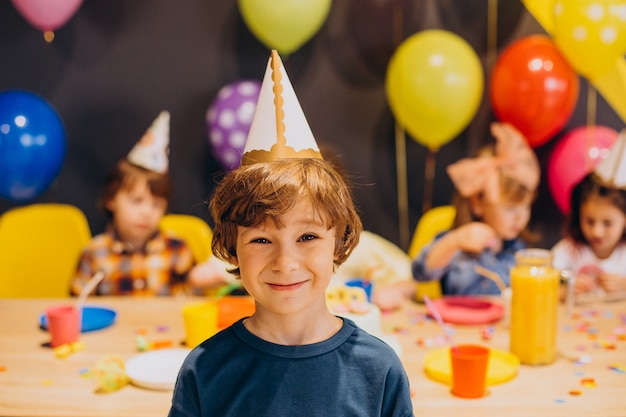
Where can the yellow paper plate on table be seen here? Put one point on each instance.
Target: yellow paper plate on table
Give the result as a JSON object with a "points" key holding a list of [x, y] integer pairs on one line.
{"points": [[502, 366]]}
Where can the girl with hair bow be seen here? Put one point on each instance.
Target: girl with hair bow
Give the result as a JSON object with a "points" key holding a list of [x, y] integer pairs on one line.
{"points": [[495, 192]]}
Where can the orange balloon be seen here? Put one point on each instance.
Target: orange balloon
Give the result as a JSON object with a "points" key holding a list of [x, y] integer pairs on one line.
{"points": [[534, 88]]}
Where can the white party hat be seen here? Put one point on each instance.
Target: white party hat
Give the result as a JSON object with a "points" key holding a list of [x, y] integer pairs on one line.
{"points": [[279, 128], [151, 152], [612, 169]]}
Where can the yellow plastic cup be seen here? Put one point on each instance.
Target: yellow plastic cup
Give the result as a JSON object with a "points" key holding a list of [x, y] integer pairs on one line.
{"points": [[200, 320]]}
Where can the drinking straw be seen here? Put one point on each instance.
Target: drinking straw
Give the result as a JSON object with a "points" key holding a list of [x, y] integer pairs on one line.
{"points": [[91, 284], [226, 289], [492, 276], [433, 310]]}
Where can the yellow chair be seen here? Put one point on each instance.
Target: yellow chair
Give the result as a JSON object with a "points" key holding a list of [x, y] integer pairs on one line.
{"points": [[433, 222], [40, 245], [193, 230]]}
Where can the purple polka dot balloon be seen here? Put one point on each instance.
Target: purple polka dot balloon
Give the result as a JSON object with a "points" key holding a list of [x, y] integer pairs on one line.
{"points": [[228, 120]]}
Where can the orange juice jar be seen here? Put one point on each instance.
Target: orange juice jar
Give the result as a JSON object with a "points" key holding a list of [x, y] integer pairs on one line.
{"points": [[535, 288]]}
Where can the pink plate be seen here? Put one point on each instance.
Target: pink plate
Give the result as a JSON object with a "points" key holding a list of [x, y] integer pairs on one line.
{"points": [[468, 310]]}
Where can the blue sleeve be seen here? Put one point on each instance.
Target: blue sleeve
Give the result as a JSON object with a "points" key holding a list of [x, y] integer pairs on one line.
{"points": [[418, 266]]}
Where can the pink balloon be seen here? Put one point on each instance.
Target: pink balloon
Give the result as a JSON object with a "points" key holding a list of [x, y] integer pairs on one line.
{"points": [[577, 154], [47, 15]]}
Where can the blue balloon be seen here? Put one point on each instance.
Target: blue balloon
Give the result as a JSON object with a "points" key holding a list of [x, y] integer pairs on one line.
{"points": [[32, 145]]}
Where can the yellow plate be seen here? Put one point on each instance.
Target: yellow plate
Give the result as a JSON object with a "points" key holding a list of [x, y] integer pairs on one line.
{"points": [[502, 366]]}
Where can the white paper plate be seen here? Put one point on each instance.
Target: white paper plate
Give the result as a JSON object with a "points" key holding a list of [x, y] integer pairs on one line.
{"points": [[156, 369]]}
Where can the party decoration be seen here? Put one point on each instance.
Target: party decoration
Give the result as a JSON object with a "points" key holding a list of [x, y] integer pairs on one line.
{"points": [[612, 84], [110, 373], [434, 85], [32, 145], [576, 154], [47, 15], [591, 34], [284, 25], [534, 88], [612, 169], [229, 118], [152, 150], [279, 128]]}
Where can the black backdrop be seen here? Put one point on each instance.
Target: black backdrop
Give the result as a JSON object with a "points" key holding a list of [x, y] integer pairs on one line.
{"points": [[116, 64]]}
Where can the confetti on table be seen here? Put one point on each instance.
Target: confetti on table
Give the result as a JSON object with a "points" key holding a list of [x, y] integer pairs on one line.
{"points": [[162, 344], [617, 368], [486, 332], [162, 328], [399, 329], [62, 351], [575, 392], [583, 359], [604, 344], [3, 368], [588, 382]]}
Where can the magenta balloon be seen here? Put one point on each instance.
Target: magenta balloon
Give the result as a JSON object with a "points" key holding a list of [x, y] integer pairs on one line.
{"points": [[578, 153], [229, 118]]}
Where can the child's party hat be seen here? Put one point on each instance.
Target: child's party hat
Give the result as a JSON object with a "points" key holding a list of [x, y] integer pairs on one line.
{"points": [[151, 152], [279, 128], [612, 169]]}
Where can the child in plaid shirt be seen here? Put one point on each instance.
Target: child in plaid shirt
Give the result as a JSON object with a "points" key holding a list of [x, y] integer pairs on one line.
{"points": [[136, 257]]}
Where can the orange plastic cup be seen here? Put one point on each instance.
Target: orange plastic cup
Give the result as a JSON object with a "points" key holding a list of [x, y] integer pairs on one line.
{"points": [[469, 370], [232, 308], [63, 324]]}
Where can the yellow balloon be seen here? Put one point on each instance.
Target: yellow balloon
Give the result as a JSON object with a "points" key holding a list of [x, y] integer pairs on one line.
{"points": [[591, 34], [284, 25], [434, 86], [542, 11]]}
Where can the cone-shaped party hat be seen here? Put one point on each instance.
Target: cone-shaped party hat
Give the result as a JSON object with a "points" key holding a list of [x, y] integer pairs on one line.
{"points": [[279, 128], [612, 169], [151, 152]]}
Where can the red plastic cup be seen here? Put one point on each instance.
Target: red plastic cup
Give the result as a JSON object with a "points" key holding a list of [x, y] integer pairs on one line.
{"points": [[469, 370], [63, 324]]}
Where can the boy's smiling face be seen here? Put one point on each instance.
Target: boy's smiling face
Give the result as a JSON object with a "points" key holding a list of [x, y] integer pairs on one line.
{"points": [[287, 269]]}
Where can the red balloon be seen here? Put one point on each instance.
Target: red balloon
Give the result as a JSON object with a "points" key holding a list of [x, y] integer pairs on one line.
{"points": [[574, 156], [534, 88]]}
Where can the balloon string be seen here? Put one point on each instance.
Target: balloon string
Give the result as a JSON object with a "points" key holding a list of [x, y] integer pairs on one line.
{"points": [[492, 33], [403, 200], [429, 180], [401, 170], [591, 122]]}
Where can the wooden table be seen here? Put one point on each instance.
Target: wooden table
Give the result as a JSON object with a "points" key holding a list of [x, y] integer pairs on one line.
{"points": [[33, 382]]}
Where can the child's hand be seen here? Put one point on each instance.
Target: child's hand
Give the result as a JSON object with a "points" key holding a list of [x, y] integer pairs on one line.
{"points": [[393, 296], [584, 283], [612, 282], [207, 275], [476, 237]]}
